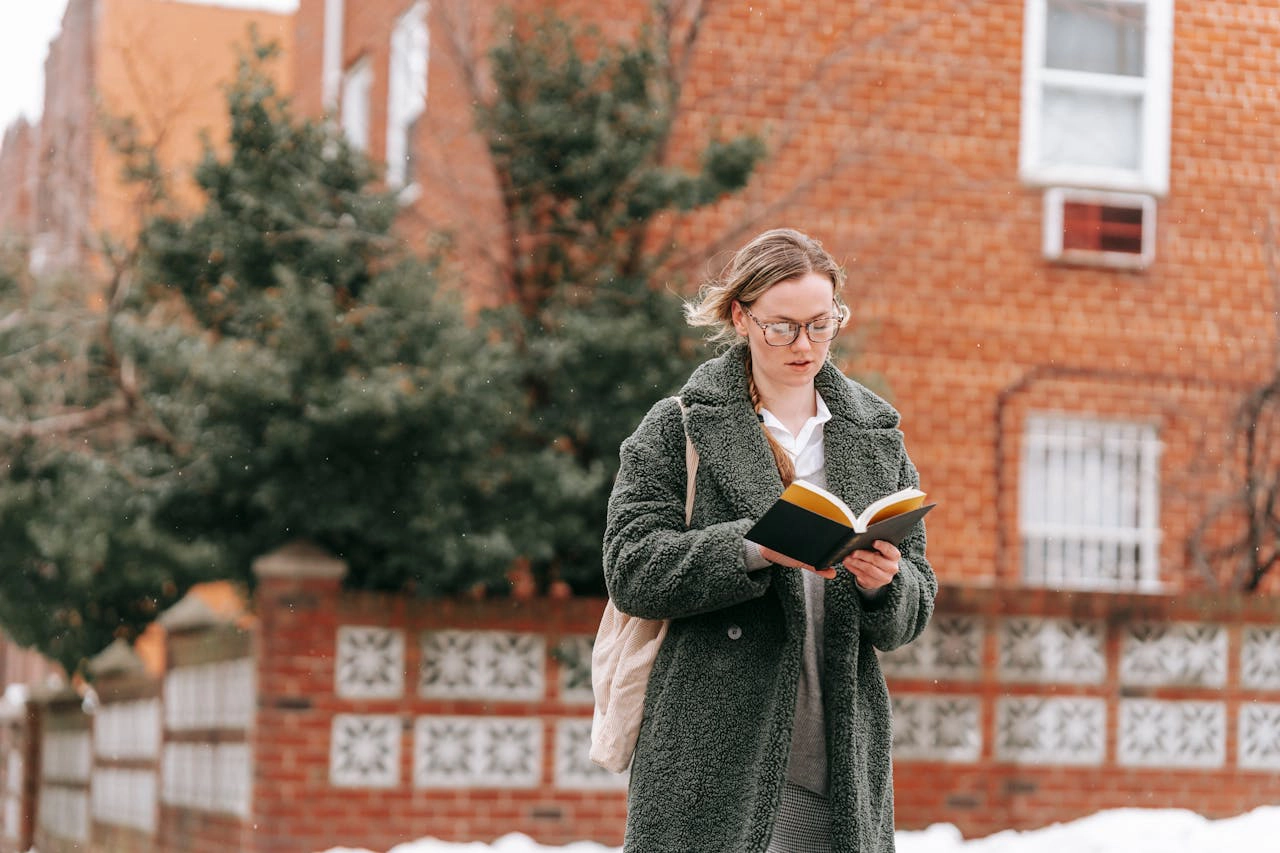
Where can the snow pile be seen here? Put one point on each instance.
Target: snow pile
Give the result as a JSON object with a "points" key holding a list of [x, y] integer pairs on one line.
{"points": [[1115, 831]]}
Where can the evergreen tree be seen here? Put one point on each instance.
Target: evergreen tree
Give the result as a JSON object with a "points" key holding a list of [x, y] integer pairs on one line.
{"points": [[269, 368], [580, 147]]}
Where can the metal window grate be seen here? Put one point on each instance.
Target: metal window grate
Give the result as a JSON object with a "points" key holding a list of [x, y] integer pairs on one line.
{"points": [[1089, 504]]}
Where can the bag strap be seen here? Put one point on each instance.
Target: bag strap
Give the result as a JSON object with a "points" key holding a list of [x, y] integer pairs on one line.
{"points": [[690, 466]]}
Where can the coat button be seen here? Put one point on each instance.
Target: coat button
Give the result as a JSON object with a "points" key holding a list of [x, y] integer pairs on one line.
{"points": [[734, 632]]}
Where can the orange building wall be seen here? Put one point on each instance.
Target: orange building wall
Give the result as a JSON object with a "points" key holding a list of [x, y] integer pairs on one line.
{"points": [[167, 65], [161, 62], [893, 134]]}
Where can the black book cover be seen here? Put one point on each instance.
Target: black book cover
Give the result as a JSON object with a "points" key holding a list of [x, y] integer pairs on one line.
{"points": [[820, 542]]}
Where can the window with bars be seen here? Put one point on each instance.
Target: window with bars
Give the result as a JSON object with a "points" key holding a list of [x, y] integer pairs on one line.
{"points": [[1096, 93], [1089, 504], [406, 92]]}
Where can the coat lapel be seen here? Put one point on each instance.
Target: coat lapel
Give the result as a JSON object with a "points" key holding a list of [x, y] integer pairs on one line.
{"points": [[726, 433]]}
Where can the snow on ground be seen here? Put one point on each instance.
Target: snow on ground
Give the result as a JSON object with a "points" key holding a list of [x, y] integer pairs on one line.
{"points": [[1115, 831]]}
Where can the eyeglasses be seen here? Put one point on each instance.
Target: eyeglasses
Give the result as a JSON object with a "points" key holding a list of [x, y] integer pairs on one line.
{"points": [[785, 333]]}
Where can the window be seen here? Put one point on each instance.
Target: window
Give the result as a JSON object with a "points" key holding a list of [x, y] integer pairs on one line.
{"points": [[407, 92], [1089, 503], [1095, 93], [357, 83]]}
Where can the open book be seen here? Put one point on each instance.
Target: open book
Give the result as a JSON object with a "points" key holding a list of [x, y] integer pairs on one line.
{"points": [[810, 524]]}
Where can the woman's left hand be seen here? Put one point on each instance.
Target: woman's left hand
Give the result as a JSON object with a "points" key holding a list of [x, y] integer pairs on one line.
{"points": [[874, 569]]}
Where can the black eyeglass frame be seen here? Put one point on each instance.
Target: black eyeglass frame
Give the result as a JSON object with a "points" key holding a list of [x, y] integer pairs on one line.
{"points": [[840, 316]]}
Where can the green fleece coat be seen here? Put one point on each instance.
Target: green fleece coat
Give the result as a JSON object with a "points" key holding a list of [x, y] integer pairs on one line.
{"points": [[712, 754]]}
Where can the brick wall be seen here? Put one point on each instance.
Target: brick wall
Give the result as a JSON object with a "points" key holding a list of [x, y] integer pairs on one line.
{"points": [[1014, 709], [893, 131], [401, 719]]}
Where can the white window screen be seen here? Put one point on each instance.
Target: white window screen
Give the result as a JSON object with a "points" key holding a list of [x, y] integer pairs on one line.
{"points": [[357, 84], [406, 92], [1089, 504], [1096, 91]]}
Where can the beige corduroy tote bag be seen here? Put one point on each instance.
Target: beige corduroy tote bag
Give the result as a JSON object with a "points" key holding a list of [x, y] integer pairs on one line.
{"points": [[621, 660]]}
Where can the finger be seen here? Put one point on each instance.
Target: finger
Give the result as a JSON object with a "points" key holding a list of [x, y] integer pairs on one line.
{"points": [[828, 573], [888, 549]]}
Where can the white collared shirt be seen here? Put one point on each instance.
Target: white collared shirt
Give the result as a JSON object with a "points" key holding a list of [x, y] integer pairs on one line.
{"points": [[807, 455], [804, 448]]}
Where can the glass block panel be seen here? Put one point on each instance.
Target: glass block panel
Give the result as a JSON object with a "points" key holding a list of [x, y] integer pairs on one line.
{"points": [[1051, 650], [1037, 730], [950, 647], [12, 817], [370, 663], [1260, 736], [1189, 653], [477, 752], [1260, 658], [233, 778], [1163, 733], [483, 665], [937, 728], [574, 657], [574, 769], [364, 751]]}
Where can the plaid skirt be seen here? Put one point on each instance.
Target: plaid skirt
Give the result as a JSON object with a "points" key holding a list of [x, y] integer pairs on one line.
{"points": [[803, 824]]}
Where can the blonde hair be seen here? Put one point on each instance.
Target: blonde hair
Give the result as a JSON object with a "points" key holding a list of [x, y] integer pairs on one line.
{"points": [[781, 254]]}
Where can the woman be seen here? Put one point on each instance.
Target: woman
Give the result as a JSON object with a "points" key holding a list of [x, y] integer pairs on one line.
{"points": [[767, 723]]}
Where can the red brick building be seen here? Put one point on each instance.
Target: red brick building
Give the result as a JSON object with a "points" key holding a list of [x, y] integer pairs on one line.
{"points": [[1057, 219], [1058, 222], [1056, 234]]}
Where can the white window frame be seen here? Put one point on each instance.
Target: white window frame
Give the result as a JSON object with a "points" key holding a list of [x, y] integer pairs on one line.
{"points": [[1152, 174], [1089, 503], [335, 19], [357, 103], [406, 91]]}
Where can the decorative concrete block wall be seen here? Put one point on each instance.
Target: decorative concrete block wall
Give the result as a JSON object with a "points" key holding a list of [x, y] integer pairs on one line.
{"points": [[1014, 706], [338, 718], [474, 717], [404, 718]]}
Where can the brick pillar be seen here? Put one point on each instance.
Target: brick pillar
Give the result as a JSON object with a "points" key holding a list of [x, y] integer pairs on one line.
{"points": [[297, 604]]}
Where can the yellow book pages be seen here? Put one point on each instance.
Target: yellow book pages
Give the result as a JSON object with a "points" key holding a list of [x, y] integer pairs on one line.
{"points": [[906, 504], [818, 501]]}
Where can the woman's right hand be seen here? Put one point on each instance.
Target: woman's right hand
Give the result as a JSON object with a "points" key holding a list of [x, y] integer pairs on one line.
{"points": [[783, 560]]}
